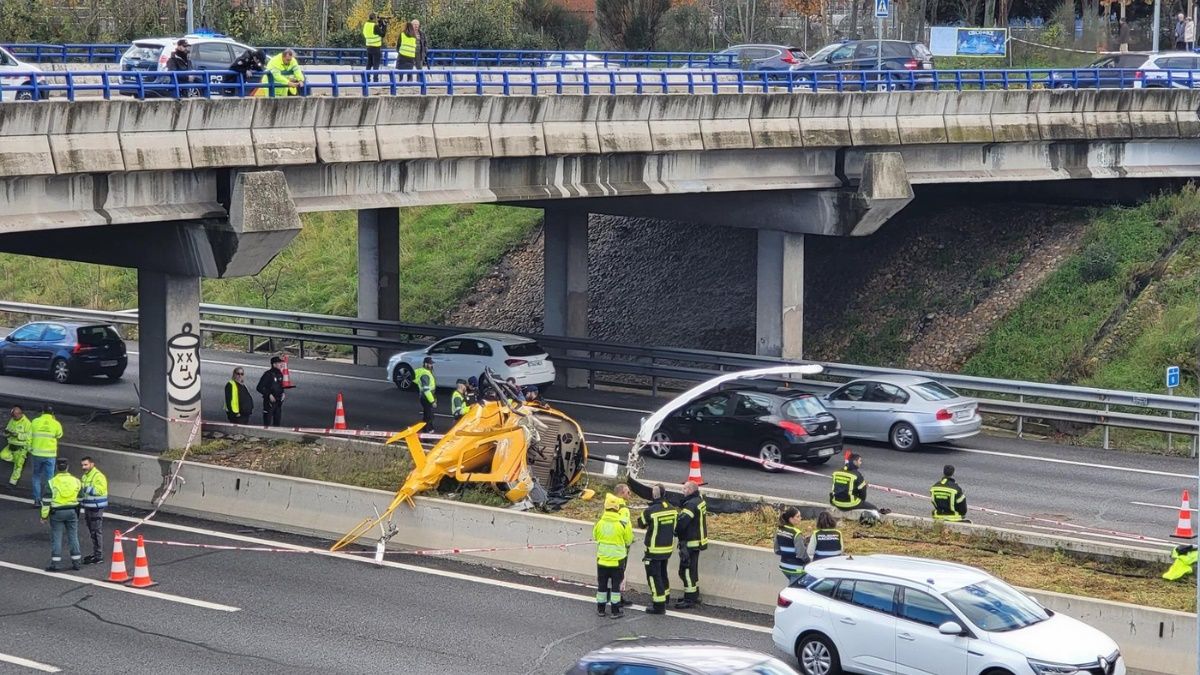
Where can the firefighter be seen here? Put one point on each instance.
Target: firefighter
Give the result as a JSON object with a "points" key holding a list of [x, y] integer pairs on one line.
{"points": [[283, 75], [789, 544], [458, 399], [826, 540], [692, 532], [1183, 562], [94, 499], [44, 433], [426, 385], [18, 432], [613, 537], [949, 500], [238, 404], [659, 520], [849, 491], [62, 512]]}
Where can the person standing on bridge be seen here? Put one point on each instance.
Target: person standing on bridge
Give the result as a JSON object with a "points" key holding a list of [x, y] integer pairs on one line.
{"points": [[238, 402], [692, 532], [613, 537], [270, 385], [659, 520], [949, 500], [373, 32], [849, 491], [1189, 34], [283, 75], [406, 53], [1180, 28], [18, 433], [94, 499], [422, 60], [426, 386], [44, 433], [62, 512], [181, 61]]}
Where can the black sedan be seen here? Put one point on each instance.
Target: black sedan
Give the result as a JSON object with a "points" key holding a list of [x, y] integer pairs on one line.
{"points": [[63, 350], [774, 426]]}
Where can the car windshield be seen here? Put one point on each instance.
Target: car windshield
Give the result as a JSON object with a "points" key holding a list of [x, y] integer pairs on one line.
{"points": [[825, 51], [803, 408], [995, 606], [524, 349], [932, 391], [144, 51], [96, 335]]}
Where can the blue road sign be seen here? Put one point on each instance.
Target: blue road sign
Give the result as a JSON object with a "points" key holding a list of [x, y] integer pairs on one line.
{"points": [[882, 8], [1172, 377]]}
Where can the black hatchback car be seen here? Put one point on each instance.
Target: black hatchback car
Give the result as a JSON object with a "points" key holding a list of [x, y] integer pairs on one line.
{"points": [[778, 426], [862, 55], [64, 350]]}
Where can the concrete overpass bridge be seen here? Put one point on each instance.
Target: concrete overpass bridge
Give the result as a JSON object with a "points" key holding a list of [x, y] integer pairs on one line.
{"points": [[212, 188]]}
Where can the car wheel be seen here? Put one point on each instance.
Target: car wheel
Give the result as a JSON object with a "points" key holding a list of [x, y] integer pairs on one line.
{"points": [[403, 377], [903, 437], [817, 655], [60, 371], [771, 455], [817, 461], [658, 448]]}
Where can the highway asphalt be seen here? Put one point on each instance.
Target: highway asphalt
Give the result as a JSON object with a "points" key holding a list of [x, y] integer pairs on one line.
{"points": [[1081, 486], [285, 612]]}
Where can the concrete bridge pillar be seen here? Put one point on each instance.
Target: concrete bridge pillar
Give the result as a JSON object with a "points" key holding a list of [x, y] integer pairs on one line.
{"points": [[780, 312], [378, 274], [566, 280], [169, 360]]}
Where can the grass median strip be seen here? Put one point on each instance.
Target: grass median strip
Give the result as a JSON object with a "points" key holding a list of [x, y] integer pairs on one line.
{"points": [[384, 468]]}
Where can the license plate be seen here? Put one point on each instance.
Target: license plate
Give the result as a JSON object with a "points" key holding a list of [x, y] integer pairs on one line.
{"points": [[535, 364], [824, 452], [962, 415], [107, 364]]}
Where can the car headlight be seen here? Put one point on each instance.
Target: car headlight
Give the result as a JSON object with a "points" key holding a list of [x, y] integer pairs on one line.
{"points": [[1047, 668]]}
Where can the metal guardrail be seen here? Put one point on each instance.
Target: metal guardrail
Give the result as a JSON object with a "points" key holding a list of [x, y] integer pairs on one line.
{"points": [[210, 83], [1059, 402], [357, 56]]}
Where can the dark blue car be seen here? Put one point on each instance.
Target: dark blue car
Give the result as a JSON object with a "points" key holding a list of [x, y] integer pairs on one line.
{"points": [[64, 350]]}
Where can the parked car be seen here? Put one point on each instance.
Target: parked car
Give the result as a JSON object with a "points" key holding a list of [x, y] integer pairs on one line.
{"points": [[896, 614], [465, 356], [1111, 71], [209, 52], [904, 410], [16, 73], [649, 656], [1179, 70], [764, 57], [861, 55], [775, 426], [64, 350]]}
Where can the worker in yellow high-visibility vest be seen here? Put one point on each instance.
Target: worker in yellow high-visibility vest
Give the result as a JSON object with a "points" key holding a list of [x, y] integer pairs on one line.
{"points": [[18, 432], [373, 32], [406, 52], [283, 74], [43, 447]]}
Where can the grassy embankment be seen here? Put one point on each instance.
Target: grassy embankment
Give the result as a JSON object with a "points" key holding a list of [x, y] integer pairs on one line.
{"points": [[1115, 314], [385, 469], [444, 250]]}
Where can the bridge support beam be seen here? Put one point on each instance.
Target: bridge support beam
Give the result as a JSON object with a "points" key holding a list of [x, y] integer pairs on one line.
{"points": [[169, 361], [566, 280], [780, 299], [378, 274]]}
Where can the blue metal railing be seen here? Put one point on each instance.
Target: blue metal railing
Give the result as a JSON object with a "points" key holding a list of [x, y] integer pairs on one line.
{"points": [[476, 58], [533, 81]]}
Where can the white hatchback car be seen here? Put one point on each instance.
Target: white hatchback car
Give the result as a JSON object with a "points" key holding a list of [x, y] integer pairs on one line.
{"points": [[889, 614], [462, 357], [16, 73], [1178, 70]]}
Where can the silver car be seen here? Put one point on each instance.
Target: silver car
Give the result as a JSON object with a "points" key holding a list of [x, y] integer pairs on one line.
{"points": [[904, 410]]}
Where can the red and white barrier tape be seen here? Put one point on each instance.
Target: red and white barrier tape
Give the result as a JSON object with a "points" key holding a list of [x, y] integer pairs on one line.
{"points": [[171, 484], [321, 551]]}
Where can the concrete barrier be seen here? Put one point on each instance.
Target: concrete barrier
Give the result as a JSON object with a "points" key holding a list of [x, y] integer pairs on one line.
{"points": [[26, 147], [623, 124], [404, 127], [345, 130], [1152, 114], [824, 120], [460, 127], [873, 119], [774, 121], [219, 132], [675, 123], [515, 127], [1106, 113], [967, 116], [919, 119], [725, 122], [1060, 113], [84, 136], [154, 135], [283, 131], [1013, 119], [569, 125], [1187, 112], [1153, 641]]}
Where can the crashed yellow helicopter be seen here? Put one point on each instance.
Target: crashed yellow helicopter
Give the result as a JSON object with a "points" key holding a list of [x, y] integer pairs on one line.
{"points": [[528, 451]]}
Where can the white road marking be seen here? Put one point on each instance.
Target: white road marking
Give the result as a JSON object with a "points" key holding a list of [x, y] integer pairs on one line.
{"points": [[1077, 533], [395, 565], [117, 587], [1052, 460], [26, 663], [1163, 506]]}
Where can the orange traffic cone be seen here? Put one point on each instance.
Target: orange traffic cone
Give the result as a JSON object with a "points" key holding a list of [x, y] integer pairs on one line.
{"points": [[339, 414], [141, 567], [1183, 529], [694, 467], [287, 374], [118, 574]]}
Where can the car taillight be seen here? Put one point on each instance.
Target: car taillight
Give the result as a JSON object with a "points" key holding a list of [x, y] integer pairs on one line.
{"points": [[77, 348], [1137, 74], [783, 602], [793, 428], [788, 58], [943, 415], [514, 362], [911, 64], [81, 348]]}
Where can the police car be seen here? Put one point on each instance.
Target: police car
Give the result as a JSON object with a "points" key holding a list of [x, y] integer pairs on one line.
{"points": [[16, 73], [210, 51]]}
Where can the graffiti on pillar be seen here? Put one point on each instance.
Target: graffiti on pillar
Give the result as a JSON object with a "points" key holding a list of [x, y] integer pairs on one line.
{"points": [[183, 373]]}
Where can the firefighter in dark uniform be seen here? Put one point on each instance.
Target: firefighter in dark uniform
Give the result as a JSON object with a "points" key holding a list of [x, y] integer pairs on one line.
{"points": [[790, 545], [949, 500], [659, 519], [692, 532], [849, 491]]}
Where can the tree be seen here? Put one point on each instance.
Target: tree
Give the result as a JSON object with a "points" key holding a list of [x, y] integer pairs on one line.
{"points": [[561, 28], [630, 24]]}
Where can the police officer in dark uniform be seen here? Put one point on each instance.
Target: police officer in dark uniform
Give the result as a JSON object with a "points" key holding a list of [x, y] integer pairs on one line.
{"points": [[949, 500], [270, 385], [826, 540], [692, 532], [659, 519], [789, 544]]}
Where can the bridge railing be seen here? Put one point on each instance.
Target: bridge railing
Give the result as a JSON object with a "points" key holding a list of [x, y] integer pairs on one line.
{"points": [[1089, 406], [506, 82]]}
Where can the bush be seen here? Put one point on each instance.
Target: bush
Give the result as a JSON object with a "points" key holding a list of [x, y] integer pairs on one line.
{"points": [[1097, 263]]}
